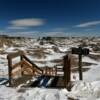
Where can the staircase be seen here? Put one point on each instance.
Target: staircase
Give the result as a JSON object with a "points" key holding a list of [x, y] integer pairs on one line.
{"points": [[23, 71]]}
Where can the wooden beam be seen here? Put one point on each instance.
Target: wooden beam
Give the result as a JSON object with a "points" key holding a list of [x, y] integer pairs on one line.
{"points": [[27, 64], [67, 70], [34, 65], [80, 68], [9, 71]]}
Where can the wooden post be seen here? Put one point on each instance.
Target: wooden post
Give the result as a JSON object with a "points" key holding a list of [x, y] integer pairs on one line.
{"points": [[21, 58], [10, 70], [67, 72], [55, 70], [46, 71], [52, 71], [80, 67], [80, 51]]}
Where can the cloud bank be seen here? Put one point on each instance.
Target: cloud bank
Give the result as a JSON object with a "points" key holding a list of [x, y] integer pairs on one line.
{"points": [[25, 23], [16, 27], [88, 24]]}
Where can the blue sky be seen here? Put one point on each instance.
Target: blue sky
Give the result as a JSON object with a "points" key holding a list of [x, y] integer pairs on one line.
{"points": [[50, 17]]}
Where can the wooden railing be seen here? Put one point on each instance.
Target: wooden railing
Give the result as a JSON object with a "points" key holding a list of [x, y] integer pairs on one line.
{"points": [[50, 71], [26, 65], [34, 65], [67, 71]]}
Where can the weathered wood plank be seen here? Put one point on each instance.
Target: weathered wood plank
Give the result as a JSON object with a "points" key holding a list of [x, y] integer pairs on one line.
{"points": [[34, 65]]}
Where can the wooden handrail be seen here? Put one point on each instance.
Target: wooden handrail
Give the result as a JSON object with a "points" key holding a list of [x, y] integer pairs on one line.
{"points": [[27, 59], [23, 60], [26, 62]]}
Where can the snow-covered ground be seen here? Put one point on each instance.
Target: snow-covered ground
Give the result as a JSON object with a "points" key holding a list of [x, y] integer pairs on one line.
{"points": [[46, 55]]}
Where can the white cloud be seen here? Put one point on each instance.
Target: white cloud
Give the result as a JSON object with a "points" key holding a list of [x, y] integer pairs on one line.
{"points": [[27, 22], [88, 24], [16, 27]]}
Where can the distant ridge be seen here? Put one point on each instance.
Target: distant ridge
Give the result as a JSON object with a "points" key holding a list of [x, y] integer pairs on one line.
{"points": [[12, 37]]}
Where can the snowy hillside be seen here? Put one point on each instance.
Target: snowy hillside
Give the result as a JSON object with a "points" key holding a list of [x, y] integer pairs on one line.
{"points": [[50, 53]]}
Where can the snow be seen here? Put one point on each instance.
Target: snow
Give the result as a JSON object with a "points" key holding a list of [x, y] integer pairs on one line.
{"points": [[48, 58], [9, 50], [64, 49], [88, 89], [16, 60], [3, 71], [89, 60], [81, 91], [93, 74], [50, 51], [7, 93], [94, 53], [32, 94]]}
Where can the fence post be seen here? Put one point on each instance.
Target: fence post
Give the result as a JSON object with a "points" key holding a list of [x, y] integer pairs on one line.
{"points": [[55, 70], [46, 71], [10, 70], [67, 72], [21, 58], [80, 67]]}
